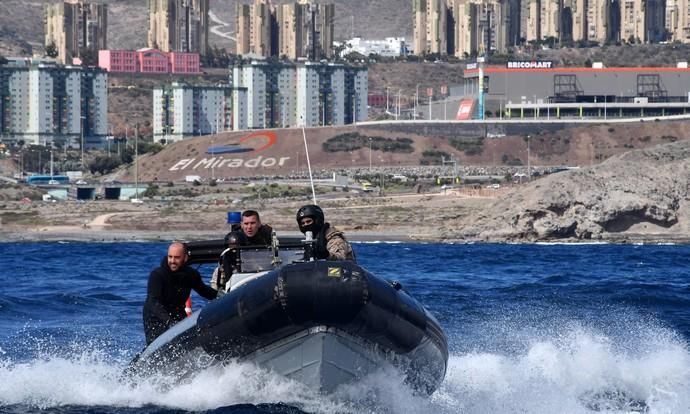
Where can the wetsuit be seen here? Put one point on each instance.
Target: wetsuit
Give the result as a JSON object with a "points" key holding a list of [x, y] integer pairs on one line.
{"points": [[166, 295]]}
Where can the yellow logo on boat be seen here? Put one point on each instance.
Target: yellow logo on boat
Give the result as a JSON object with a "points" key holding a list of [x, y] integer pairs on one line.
{"points": [[334, 272]]}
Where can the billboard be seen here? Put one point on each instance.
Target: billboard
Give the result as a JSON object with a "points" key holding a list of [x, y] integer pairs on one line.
{"points": [[529, 64]]}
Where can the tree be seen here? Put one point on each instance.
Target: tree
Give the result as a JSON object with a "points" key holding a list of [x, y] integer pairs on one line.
{"points": [[88, 57], [51, 50], [103, 164]]}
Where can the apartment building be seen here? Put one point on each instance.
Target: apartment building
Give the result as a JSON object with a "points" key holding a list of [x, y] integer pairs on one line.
{"points": [[598, 12], [179, 26], [302, 94], [295, 30], [470, 27], [550, 18], [182, 111], [243, 25], [43, 103], [73, 26], [632, 23], [462, 27], [574, 20], [678, 20], [419, 26]]}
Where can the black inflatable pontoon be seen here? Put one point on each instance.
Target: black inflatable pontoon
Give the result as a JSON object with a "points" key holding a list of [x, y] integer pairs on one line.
{"points": [[323, 323]]}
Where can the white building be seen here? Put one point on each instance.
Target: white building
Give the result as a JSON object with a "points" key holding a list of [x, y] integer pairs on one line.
{"points": [[302, 94], [388, 47], [182, 111], [43, 103]]}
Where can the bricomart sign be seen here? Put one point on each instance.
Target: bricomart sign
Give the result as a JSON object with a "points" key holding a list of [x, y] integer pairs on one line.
{"points": [[219, 156], [529, 64]]}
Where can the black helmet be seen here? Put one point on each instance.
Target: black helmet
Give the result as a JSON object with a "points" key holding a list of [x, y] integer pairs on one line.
{"points": [[313, 211], [235, 238]]}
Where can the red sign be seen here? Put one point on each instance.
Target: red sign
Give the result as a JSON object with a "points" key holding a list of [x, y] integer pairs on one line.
{"points": [[444, 89], [429, 92]]}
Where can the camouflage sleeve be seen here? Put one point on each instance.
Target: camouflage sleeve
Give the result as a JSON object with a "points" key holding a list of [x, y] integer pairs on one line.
{"points": [[339, 248], [217, 278]]}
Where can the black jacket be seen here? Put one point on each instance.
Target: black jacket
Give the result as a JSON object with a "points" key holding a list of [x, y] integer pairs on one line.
{"points": [[166, 295], [263, 237]]}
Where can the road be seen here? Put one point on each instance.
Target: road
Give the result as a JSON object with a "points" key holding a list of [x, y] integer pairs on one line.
{"points": [[217, 29]]}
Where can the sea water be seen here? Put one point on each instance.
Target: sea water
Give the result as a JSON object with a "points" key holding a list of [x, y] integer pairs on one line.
{"points": [[531, 329]]}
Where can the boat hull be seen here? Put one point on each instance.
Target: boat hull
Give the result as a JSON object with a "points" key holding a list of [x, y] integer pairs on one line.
{"points": [[323, 323]]}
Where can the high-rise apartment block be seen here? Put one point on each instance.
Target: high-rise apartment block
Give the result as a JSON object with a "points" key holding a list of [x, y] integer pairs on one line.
{"points": [[43, 103], [302, 94], [179, 26], [473, 27], [678, 20], [74, 26], [183, 111], [295, 30]]}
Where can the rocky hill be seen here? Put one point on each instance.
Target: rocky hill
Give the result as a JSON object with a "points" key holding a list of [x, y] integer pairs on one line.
{"points": [[639, 194]]}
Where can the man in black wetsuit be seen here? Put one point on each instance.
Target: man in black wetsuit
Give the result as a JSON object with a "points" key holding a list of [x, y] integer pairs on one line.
{"points": [[168, 288]]}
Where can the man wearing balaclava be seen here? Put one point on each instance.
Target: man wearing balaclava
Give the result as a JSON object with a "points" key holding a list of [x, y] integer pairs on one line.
{"points": [[330, 242]]}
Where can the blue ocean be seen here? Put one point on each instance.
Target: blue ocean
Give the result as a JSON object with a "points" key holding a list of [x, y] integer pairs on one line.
{"points": [[531, 329]]}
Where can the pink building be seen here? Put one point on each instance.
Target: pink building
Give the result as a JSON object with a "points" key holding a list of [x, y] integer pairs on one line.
{"points": [[149, 61], [184, 63], [118, 60], [153, 61]]}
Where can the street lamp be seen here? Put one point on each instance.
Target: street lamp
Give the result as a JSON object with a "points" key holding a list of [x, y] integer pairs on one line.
{"points": [[369, 155], [81, 129], [529, 171], [416, 98]]}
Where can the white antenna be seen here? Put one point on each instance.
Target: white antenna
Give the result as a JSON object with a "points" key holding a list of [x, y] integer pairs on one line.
{"points": [[311, 179]]}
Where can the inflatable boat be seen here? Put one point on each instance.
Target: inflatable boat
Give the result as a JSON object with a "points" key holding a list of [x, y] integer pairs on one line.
{"points": [[322, 323]]}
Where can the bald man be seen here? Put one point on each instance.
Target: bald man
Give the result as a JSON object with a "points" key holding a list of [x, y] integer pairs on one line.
{"points": [[168, 288]]}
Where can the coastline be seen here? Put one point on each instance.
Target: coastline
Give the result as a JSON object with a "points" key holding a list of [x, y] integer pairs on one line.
{"points": [[80, 234], [112, 235]]}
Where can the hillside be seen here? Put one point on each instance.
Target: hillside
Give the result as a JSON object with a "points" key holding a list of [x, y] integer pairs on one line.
{"points": [[640, 193]]}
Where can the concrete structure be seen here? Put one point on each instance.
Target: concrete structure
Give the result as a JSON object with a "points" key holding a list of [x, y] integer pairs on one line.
{"points": [[118, 60], [678, 20], [465, 27], [389, 47], [294, 30], [43, 103], [179, 26], [476, 27], [182, 111], [149, 61], [632, 24], [302, 94], [581, 92], [73, 26], [574, 17], [260, 29], [243, 28]]}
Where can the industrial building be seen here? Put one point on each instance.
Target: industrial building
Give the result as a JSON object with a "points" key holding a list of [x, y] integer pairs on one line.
{"points": [[540, 90]]}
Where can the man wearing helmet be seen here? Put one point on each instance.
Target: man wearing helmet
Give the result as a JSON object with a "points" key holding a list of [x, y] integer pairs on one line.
{"points": [[330, 242]]}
